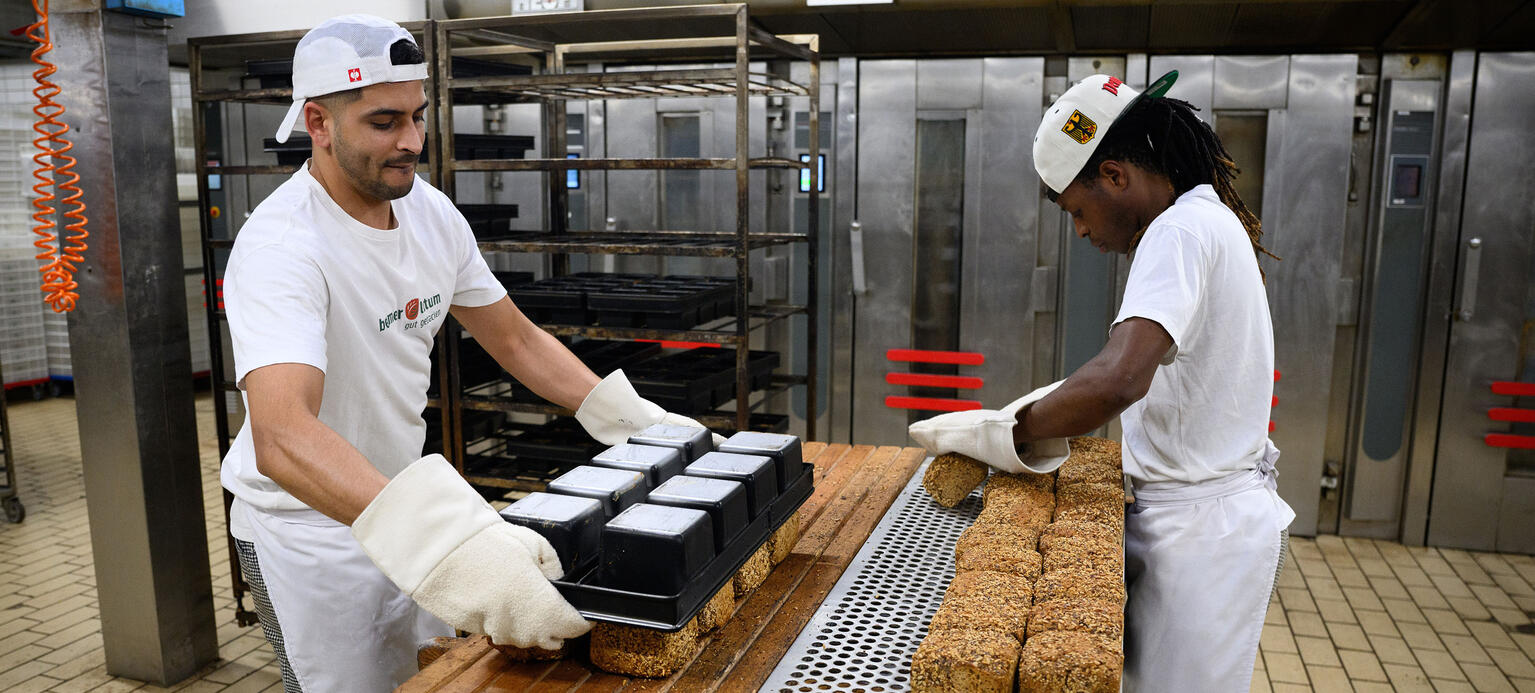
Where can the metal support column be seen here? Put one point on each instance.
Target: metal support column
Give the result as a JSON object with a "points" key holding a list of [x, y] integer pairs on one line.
{"points": [[133, 390]]}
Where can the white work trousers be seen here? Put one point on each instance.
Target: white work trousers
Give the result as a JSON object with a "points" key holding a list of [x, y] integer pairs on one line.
{"points": [[344, 626], [1200, 565]]}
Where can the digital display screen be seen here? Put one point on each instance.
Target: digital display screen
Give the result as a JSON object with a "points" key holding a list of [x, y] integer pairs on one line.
{"points": [[820, 173], [1405, 181], [573, 177]]}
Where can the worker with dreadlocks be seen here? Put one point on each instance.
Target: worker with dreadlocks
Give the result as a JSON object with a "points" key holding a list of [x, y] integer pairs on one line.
{"points": [[1188, 369]]}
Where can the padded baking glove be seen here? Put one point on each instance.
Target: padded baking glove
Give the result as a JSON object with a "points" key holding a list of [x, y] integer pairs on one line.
{"points": [[613, 411], [987, 435], [441, 543]]}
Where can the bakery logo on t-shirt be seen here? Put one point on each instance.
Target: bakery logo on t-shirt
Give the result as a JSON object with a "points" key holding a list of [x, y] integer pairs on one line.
{"points": [[414, 315]]}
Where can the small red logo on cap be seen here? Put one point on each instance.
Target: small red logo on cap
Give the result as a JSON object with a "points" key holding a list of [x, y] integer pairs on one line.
{"points": [[1112, 86], [354, 75]]}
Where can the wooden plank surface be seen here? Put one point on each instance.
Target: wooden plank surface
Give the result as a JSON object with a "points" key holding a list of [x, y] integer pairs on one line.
{"points": [[855, 485]]}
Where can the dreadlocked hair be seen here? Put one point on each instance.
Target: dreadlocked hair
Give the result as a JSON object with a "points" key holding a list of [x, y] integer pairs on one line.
{"points": [[1164, 136]]}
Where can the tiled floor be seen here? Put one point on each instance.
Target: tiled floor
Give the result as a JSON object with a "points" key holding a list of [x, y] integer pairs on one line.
{"points": [[1364, 615], [1350, 614], [50, 636]]}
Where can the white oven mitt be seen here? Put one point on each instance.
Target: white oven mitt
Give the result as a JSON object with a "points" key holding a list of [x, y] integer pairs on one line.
{"points": [[613, 411], [987, 435], [442, 544]]}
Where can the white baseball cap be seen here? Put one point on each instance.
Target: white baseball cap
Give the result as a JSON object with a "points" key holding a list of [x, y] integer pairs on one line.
{"points": [[342, 53], [1075, 124]]}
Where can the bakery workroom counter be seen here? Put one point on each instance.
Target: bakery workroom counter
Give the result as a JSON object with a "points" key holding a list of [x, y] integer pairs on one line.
{"points": [[854, 486]]}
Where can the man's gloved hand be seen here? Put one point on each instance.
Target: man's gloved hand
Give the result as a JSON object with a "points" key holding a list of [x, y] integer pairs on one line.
{"points": [[613, 411], [987, 435], [441, 543]]}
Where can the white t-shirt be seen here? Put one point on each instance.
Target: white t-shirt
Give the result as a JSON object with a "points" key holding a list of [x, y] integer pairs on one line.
{"points": [[307, 283], [1206, 414]]}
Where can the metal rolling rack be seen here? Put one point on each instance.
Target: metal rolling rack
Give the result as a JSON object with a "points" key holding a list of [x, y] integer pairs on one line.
{"points": [[212, 63], [14, 511], [687, 33]]}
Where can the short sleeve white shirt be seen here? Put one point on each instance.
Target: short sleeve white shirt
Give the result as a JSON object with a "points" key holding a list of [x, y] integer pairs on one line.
{"points": [[306, 283], [1207, 411]]}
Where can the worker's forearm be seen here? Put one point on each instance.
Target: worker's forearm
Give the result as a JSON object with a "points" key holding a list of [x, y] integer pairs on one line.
{"points": [[317, 466], [1080, 405], [542, 363]]}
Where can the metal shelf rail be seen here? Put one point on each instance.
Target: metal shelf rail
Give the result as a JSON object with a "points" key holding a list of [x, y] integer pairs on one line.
{"points": [[721, 33]]}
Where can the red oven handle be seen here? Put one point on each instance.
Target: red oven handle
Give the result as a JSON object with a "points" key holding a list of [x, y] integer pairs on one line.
{"points": [[931, 403], [961, 382], [1509, 440], [1512, 388], [962, 358]]}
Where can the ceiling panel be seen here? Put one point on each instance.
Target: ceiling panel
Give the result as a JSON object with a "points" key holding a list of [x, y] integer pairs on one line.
{"points": [[1357, 25], [1515, 30], [958, 32], [1183, 27], [1101, 27]]}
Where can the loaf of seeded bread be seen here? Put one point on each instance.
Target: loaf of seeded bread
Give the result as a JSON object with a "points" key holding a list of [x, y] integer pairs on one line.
{"points": [[1003, 549], [635, 651], [1091, 502], [1077, 616], [1058, 661], [1091, 553], [985, 601], [1093, 460], [718, 609], [1031, 510], [965, 660], [951, 477], [754, 572], [1069, 531], [1036, 485], [1080, 583], [781, 544], [530, 654]]}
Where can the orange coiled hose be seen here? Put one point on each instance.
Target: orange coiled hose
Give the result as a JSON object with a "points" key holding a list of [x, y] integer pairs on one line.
{"points": [[58, 283]]}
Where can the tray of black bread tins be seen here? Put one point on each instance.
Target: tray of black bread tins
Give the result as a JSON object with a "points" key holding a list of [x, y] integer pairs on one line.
{"points": [[489, 221], [561, 440], [602, 356], [673, 303], [556, 300], [513, 278], [660, 559]]}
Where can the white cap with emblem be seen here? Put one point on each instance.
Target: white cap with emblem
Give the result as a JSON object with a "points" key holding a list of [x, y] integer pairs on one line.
{"points": [[1075, 124], [343, 53]]}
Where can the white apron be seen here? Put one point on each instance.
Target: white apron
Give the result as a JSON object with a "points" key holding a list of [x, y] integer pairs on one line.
{"points": [[345, 626], [1200, 563]]}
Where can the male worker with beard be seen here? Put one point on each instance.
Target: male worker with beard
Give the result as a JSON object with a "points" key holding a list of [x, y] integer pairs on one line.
{"points": [[1188, 369], [355, 546]]}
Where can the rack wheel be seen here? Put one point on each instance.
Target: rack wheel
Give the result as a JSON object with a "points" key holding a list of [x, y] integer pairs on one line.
{"points": [[14, 510]]}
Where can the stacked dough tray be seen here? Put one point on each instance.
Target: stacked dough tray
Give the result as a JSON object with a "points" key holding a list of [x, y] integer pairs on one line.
{"points": [[1037, 601], [660, 536], [627, 300]]}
